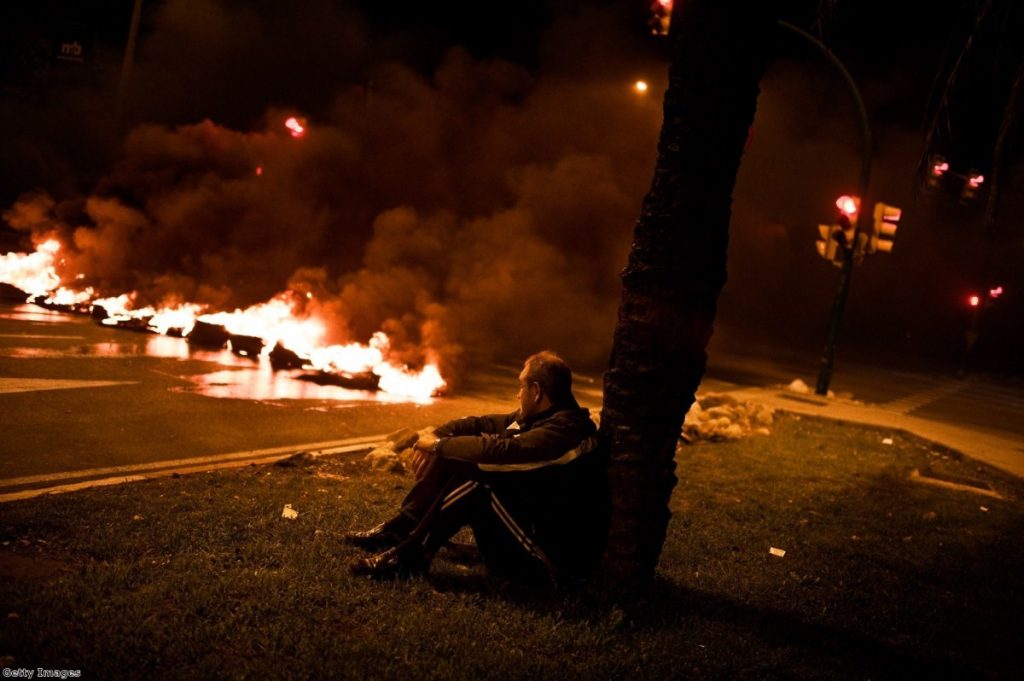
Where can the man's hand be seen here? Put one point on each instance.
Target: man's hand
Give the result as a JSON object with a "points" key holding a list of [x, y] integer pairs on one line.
{"points": [[424, 450]]}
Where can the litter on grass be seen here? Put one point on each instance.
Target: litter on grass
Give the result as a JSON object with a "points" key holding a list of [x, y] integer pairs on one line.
{"points": [[777, 552], [715, 417], [395, 454], [289, 513]]}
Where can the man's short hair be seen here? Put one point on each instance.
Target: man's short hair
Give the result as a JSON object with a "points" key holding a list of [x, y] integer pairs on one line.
{"points": [[553, 375]]}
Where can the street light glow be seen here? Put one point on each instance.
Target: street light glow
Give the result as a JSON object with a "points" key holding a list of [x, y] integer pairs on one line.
{"points": [[640, 86]]}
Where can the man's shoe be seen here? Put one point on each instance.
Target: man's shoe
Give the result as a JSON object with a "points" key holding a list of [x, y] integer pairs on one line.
{"points": [[375, 539], [392, 564]]}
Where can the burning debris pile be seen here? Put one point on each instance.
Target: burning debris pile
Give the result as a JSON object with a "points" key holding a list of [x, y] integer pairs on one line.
{"points": [[716, 417], [284, 331]]}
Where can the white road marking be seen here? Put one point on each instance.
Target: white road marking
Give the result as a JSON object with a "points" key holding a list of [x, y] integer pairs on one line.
{"points": [[923, 398], [199, 464], [36, 336], [27, 385]]}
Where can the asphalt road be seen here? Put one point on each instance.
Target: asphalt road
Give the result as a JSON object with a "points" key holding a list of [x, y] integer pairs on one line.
{"points": [[981, 402], [77, 396]]}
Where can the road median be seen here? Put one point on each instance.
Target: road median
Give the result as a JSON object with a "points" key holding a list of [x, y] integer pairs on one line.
{"points": [[810, 552]]}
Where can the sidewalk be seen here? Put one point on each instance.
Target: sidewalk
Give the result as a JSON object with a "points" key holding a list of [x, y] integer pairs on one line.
{"points": [[1002, 452]]}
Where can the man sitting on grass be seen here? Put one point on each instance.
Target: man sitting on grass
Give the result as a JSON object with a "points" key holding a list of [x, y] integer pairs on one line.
{"points": [[531, 484]]}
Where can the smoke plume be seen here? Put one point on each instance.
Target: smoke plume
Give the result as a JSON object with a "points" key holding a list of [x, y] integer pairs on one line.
{"points": [[475, 209]]}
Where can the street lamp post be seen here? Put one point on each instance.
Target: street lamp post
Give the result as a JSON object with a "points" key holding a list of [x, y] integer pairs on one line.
{"points": [[129, 60]]}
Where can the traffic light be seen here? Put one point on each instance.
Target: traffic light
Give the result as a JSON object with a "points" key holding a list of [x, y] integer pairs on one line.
{"points": [[844, 231], [887, 220], [661, 16], [841, 234], [937, 168], [296, 127], [971, 186], [847, 221], [848, 205], [827, 246], [976, 300]]}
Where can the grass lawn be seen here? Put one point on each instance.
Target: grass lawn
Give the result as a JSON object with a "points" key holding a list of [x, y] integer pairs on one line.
{"points": [[200, 576]]}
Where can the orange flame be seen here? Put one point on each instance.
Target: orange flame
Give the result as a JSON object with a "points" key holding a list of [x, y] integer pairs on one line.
{"points": [[34, 273], [277, 321]]}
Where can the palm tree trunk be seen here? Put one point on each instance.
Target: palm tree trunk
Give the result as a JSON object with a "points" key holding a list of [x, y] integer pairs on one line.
{"points": [[677, 265]]}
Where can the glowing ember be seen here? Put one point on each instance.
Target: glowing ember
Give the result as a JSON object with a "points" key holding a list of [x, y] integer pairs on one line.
{"points": [[297, 129]]}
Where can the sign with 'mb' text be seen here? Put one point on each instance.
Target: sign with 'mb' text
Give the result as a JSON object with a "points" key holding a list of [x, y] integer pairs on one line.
{"points": [[72, 44]]}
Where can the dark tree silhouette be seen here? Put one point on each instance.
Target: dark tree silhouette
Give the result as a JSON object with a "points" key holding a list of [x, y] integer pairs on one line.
{"points": [[676, 269]]}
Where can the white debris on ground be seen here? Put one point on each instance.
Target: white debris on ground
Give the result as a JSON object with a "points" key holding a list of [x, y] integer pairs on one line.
{"points": [[289, 513], [385, 458], [715, 417], [798, 387]]}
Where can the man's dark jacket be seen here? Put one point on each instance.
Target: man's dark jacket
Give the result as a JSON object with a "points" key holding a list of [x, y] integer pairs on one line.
{"points": [[550, 469]]}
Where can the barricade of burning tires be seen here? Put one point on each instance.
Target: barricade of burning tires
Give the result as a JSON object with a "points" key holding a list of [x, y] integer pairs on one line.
{"points": [[212, 336]]}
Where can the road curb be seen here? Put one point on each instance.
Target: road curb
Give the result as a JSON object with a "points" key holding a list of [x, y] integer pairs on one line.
{"points": [[993, 450], [101, 477]]}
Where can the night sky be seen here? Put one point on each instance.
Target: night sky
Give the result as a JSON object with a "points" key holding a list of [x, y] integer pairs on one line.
{"points": [[469, 180]]}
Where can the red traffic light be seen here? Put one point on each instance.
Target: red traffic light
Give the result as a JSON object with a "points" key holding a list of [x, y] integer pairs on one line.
{"points": [[848, 205], [974, 300], [995, 292], [295, 127], [976, 180], [939, 169]]}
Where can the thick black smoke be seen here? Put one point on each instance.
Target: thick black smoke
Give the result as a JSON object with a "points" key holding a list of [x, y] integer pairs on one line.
{"points": [[478, 208], [481, 210]]}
